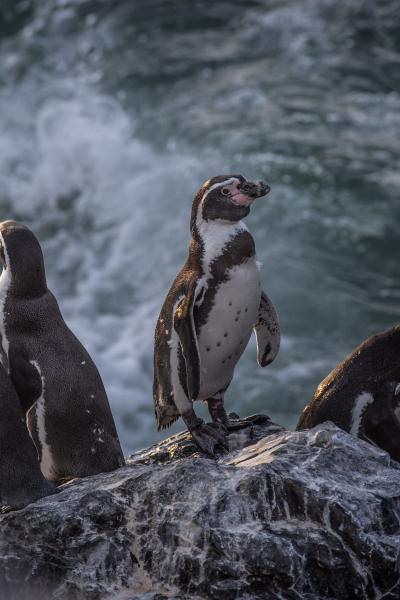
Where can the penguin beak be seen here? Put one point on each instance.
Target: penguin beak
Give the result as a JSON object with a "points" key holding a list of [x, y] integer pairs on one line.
{"points": [[254, 190], [262, 189], [249, 191]]}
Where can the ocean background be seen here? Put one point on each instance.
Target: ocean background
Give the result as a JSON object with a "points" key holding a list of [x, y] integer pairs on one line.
{"points": [[112, 113]]}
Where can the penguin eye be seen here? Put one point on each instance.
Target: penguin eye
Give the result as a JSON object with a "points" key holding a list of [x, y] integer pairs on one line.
{"points": [[225, 191]]}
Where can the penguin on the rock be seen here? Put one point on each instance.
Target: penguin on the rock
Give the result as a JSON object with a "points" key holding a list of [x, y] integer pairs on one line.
{"points": [[58, 385], [210, 311], [21, 480], [362, 394]]}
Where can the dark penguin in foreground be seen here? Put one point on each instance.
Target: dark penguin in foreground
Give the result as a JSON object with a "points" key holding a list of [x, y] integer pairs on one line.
{"points": [[362, 394], [209, 313], [58, 385], [21, 480]]}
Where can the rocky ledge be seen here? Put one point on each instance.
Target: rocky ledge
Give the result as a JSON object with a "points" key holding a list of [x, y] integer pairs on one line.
{"points": [[284, 514]]}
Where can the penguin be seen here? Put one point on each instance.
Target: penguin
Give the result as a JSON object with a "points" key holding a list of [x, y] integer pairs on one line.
{"points": [[210, 311], [362, 394], [58, 385], [21, 480]]}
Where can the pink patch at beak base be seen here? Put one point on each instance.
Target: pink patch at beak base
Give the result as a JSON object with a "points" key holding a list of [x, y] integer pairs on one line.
{"points": [[241, 199]]}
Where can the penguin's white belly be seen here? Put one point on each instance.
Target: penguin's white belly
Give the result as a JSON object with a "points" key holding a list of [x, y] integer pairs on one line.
{"points": [[229, 325]]}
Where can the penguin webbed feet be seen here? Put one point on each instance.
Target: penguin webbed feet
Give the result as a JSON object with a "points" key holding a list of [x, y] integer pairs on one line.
{"points": [[235, 422], [208, 437], [231, 422]]}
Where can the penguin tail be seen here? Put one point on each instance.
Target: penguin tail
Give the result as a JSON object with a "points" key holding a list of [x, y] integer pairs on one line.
{"points": [[166, 415], [165, 410], [165, 421]]}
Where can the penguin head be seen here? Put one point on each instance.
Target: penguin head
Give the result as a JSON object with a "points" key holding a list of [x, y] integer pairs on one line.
{"points": [[226, 198], [22, 260]]}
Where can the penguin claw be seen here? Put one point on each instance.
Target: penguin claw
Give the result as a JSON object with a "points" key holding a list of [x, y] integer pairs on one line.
{"points": [[233, 415], [209, 436], [221, 432], [235, 422]]}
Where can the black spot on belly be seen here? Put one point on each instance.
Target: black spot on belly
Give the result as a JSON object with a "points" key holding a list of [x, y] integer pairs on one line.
{"points": [[208, 349], [225, 334], [218, 343], [238, 312], [246, 309], [230, 303], [236, 318], [229, 357]]}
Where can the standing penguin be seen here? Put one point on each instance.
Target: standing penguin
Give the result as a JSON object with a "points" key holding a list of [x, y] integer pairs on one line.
{"points": [[58, 385], [362, 394], [21, 480], [209, 312]]}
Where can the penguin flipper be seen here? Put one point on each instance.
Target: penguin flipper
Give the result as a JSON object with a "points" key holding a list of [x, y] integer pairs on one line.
{"points": [[25, 377], [185, 328], [267, 332]]}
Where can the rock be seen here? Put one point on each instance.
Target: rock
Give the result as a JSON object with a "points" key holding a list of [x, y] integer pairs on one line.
{"points": [[309, 514]]}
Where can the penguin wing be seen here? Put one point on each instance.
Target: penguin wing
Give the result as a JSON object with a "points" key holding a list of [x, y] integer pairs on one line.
{"points": [[186, 330], [267, 332], [25, 377]]}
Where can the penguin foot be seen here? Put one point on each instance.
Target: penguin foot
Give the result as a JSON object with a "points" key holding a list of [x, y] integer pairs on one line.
{"points": [[235, 422], [232, 422], [217, 411], [209, 436]]}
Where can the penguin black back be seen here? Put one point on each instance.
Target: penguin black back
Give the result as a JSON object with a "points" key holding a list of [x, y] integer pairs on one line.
{"points": [[362, 393], [58, 385]]}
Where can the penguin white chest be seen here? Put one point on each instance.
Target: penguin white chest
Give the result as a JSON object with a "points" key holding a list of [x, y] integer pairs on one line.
{"points": [[223, 338]]}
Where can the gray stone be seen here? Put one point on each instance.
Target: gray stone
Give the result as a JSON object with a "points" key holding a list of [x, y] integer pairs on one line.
{"points": [[309, 514]]}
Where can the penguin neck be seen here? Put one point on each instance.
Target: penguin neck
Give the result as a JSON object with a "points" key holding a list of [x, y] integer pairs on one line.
{"points": [[32, 286], [26, 281], [209, 238], [23, 273]]}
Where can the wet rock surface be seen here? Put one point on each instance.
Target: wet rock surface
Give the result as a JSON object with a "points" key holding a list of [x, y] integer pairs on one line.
{"points": [[310, 514]]}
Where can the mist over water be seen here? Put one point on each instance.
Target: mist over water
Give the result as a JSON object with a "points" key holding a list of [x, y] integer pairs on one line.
{"points": [[113, 113]]}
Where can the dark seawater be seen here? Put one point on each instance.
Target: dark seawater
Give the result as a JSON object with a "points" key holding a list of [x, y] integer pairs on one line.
{"points": [[112, 114]]}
